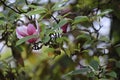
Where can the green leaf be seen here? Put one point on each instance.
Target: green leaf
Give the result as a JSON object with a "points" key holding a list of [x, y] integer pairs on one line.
{"points": [[49, 31], [46, 39], [104, 38], [25, 39], [58, 6], [1, 22], [94, 64], [60, 24], [118, 64], [37, 11], [1, 15], [61, 39], [91, 74], [47, 50], [105, 12], [118, 49], [33, 6], [112, 74], [85, 51], [80, 19], [84, 36], [80, 71]]}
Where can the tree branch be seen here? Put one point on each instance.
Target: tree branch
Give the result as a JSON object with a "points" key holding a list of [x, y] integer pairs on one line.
{"points": [[9, 7], [15, 10], [26, 2], [57, 21]]}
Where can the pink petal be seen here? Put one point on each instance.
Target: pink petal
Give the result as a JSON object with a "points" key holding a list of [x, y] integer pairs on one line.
{"points": [[33, 40], [19, 36], [64, 28], [21, 32], [31, 29]]}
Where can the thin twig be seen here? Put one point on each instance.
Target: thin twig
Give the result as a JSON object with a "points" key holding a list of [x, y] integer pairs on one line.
{"points": [[26, 2], [57, 21], [15, 10], [9, 7]]}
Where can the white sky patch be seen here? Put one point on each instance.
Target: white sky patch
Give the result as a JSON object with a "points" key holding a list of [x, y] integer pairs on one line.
{"points": [[101, 45], [25, 7], [1, 8], [106, 22], [71, 37], [30, 0], [43, 1], [1, 47], [55, 0], [24, 19], [12, 1]]}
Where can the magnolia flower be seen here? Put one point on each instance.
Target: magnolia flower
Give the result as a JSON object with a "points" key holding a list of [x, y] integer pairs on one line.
{"points": [[64, 28], [28, 30]]}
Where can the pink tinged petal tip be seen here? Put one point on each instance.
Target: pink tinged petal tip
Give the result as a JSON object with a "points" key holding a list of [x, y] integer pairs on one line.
{"points": [[31, 29]]}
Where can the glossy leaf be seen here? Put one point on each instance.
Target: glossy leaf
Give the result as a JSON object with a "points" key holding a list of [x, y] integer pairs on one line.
{"points": [[105, 12], [46, 39], [60, 24], [118, 64], [1, 22], [94, 64], [37, 11], [112, 74], [80, 19], [58, 6], [1, 15], [91, 74], [80, 71]]}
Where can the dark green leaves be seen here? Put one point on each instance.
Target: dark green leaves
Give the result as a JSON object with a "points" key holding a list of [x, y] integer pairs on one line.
{"points": [[36, 10], [60, 24], [80, 19], [112, 74], [58, 6], [83, 36], [1, 15], [94, 64], [105, 12], [118, 64], [80, 71], [46, 39], [1, 22]]}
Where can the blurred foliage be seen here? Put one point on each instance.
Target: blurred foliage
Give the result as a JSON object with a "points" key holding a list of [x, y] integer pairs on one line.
{"points": [[71, 55]]}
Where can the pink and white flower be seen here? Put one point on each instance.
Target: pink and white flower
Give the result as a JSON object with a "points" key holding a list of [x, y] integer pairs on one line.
{"points": [[28, 30]]}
